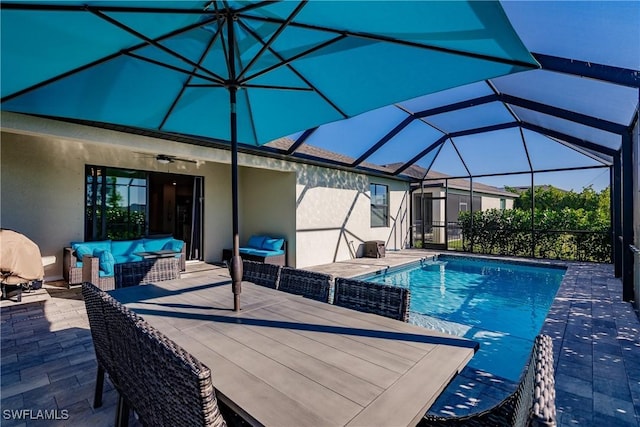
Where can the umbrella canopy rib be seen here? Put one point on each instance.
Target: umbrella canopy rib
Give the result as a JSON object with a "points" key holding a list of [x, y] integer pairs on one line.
{"points": [[103, 60], [154, 43], [173, 68], [61, 76], [205, 52], [298, 74], [287, 61], [274, 36], [391, 40], [126, 9]]}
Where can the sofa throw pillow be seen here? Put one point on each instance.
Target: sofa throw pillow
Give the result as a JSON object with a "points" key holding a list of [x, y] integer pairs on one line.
{"points": [[82, 250], [174, 245], [255, 241], [106, 260], [270, 244]]}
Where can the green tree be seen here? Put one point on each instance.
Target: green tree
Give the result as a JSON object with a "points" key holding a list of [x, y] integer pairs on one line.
{"points": [[568, 225]]}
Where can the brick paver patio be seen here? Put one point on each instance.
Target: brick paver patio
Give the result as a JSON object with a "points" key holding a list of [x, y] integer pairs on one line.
{"points": [[48, 364]]}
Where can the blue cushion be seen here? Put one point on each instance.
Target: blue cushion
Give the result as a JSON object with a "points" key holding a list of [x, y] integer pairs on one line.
{"points": [[174, 245], [126, 247], [260, 252], [256, 241], [107, 261], [121, 259], [156, 244], [98, 244], [82, 250], [271, 244]]}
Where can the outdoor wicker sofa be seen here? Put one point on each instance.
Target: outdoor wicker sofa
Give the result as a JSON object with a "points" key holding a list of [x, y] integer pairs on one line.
{"points": [[385, 300], [114, 264], [160, 381], [131, 273], [259, 248], [531, 404]]}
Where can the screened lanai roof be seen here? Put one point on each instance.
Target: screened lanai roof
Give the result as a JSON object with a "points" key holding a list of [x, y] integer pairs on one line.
{"points": [[571, 113]]}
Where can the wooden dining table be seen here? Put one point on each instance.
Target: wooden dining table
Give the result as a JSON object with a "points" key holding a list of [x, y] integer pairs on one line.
{"points": [[285, 360]]}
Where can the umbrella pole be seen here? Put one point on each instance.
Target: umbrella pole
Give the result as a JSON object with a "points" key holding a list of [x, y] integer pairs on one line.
{"points": [[236, 260]]}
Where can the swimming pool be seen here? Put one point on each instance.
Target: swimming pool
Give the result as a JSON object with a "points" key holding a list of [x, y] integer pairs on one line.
{"points": [[501, 305]]}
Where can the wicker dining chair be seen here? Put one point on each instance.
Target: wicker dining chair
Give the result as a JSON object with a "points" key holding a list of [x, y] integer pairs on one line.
{"points": [[531, 404], [94, 303], [384, 300], [309, 284], [160, 381], [260, 273]]}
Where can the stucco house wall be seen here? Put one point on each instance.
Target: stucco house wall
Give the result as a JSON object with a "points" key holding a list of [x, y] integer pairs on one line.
{"points": [[267, 206], [323, 213], [42, 191], [334, 215], [493, 202]]}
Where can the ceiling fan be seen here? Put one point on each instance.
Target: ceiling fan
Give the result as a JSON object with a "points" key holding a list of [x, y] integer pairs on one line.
{"points": [[165, 159]]}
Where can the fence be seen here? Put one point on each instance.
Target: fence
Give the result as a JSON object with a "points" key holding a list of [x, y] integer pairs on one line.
{"points": [[578, 245]]}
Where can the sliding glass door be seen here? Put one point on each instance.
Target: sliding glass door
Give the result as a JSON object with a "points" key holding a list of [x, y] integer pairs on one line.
{"points": [[124, 204]]}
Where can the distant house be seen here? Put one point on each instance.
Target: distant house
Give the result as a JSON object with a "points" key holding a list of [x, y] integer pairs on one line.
{"points": [[437, 204]]}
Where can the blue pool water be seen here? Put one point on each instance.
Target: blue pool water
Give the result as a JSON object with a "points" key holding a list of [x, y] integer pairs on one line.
{"points": [[498, 304]]}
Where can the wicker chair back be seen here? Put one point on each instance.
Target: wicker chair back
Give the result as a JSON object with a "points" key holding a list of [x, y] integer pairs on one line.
{"points": [[261, 274], [309, 284], [384, 300], [531, 404], [164, 384], [94, 303]]}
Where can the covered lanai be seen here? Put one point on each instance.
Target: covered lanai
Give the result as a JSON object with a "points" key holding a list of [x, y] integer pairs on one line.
{"points": [[578, 111]]}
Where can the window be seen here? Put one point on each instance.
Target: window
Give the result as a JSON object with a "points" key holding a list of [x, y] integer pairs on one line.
{"points": [[379, 205], [116, 203], [503, 204]]}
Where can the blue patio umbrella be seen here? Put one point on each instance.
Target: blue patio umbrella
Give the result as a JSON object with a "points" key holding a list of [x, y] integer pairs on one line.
{"points": [[244, 71]]}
